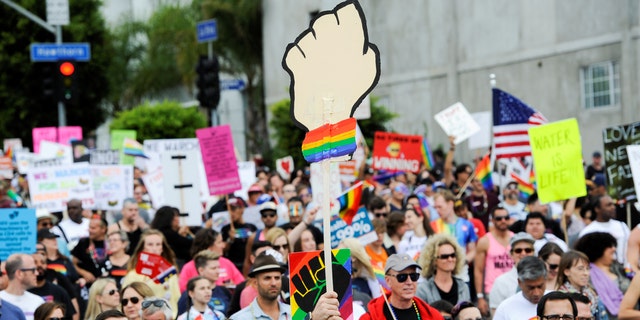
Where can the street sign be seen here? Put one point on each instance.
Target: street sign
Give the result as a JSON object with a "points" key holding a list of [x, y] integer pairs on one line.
{"points": [[58, 12], [207, 31], [48, 52], [232, 84]]}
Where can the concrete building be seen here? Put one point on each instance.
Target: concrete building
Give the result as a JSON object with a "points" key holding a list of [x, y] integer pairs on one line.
{"points": [[571, 58]]}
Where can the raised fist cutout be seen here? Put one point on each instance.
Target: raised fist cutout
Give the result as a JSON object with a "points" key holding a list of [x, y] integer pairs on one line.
{"points": [[332, 67], [310, 282]]}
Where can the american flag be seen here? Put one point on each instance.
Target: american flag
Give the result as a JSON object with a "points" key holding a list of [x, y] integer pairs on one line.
{"points": [[511, 121]]}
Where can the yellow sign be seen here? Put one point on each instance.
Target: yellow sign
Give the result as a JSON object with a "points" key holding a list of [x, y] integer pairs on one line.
{"points": [[557, 159]]}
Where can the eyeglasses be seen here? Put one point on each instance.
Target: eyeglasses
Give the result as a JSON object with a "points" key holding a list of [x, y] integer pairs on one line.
{"points": [[55, 318], [156, 302], [519, 250], [268, 215], [496, 218], [46, 224], [28, 269], [282, 247], [553, 266], [287, 190], [112, 292], [447, 256], [125, 302], [381, 215], [558, 317], [402, 277]]}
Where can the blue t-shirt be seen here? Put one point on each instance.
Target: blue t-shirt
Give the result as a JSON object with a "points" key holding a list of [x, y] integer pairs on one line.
{"points": [[11, 312], [220, 300]]}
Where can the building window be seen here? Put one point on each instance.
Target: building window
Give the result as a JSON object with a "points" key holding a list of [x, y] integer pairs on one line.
{"points": [[601, 84]]}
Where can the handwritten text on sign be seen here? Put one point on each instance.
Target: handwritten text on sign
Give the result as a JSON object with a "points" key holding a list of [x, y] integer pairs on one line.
{"points": [[557, 157], [17, 231], [220, 164], [51, 188], [619, 177]]}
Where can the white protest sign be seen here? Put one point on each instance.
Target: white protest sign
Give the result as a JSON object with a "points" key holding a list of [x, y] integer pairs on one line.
{"points": [[112, 184], [456, 121], [219, 220], [181, 185], [153, 181], [52, 187], [50, 150], [12, 143], [482, 138], [285, 167], [633, 152], [247, 173], [334, 185], [23, 160]]}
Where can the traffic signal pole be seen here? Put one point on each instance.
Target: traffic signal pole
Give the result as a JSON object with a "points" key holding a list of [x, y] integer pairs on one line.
{"points": [[62, 112], [214, 111]]}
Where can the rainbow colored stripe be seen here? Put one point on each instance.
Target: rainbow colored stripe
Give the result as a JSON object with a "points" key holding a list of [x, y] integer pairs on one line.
{"points": [[427, 155], [132, 147], [350, 202], [57, 267], [379, 273], [526, 189], [483, 172], [330, 141]]}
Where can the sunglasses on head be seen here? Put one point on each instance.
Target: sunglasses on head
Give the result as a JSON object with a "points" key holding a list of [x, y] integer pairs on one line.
{"points": [[447, 256], [519, 250], [156, 302], [125, 301], [500, 218], [282, 247], [402, 277], [268, 215]]}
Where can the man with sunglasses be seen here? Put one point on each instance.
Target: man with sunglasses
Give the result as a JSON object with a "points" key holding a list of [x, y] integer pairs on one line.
{"points": [[156, 309], [22, 272], [556, 305], [401, 274], [269, 216], [506, 284], [46, 220], [511, 202], [492, 256]]}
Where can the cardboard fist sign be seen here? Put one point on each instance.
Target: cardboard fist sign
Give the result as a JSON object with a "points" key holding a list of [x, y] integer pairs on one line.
{"points": [[332, 67]]}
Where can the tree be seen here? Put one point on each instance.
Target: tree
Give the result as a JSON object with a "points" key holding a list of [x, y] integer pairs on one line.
{"points": [[165, 120], [21, 91], [289, 137]]}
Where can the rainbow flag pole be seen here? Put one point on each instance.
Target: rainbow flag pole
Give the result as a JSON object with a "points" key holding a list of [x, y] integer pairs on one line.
{"points": [[427, 155], [483, 172], [350, 202]]}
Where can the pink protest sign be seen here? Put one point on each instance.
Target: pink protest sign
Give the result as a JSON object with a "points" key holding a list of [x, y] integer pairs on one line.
{"points": [[220, 163], [43, 134], [68, 134]]}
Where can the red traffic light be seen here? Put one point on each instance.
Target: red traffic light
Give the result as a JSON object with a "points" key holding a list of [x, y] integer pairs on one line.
{"points": [[67, 68]]}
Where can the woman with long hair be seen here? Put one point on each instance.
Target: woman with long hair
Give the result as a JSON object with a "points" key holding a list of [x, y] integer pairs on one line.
{"points": [[441, 259], [573, 276], [551, 254], [49, 310], [167, 221], [419, 229], [103, 295], [363, 277], [279, 242], [199, 291], [116, 263], [132, 296], [307, 242], [153, 241], [209, 239]]}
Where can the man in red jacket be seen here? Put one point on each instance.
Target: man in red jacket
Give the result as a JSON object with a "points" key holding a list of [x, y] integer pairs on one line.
{"points": [[401, 274]]}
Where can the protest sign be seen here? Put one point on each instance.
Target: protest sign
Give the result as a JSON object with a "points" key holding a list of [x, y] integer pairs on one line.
{"points": [[306, 281], [52, 187], [155, 267], [6, 168], [153, 181], [619, 177], [68, 134], [456, 121], [17, 231], [634, 163], [43, 134], [111, 185], [360, 228], [104, 157], [12, 144], [247, 173], [285, 167], [397, 152], [219, 220], [23, 160], [557, 157], [482, 138], [318, 188], [51, 150], [219, 159], [182, 185], [117, 142], [81, 151]]}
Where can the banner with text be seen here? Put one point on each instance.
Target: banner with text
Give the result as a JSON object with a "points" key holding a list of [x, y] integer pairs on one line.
{"points": [[112, 184], [52, 187], [619, 177], [557, 157], [634, 163], [360, 228], [397, 152], [219, 159], [17, 231]]}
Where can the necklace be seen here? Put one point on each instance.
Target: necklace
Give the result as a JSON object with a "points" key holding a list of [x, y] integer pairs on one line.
{"points": [[415, 307]]}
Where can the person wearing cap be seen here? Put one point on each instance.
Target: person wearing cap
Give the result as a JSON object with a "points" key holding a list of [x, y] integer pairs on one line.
{"points": [[532, 273], [401, 274], [596, 166], [48, 221], [267, 273], [511, 202], [22, 272], [507, 284], [605, 212], [269, 216], [237, 233], [399, 191], [253, 193]]}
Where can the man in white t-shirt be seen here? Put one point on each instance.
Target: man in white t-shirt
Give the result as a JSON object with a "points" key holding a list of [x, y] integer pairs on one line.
{"points": [[605, 210], [75, 227], [532, 274], [22, 272]]}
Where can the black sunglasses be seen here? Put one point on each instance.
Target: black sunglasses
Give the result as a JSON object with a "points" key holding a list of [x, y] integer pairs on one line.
{"points": [[519, 250], [125, 302], [558, 317], [156, 302], [553, 266], [112, 292], [381, 215], [55, 318], [282, 247], [447, 256], [500, 218], [270, 215], [402, 277]]}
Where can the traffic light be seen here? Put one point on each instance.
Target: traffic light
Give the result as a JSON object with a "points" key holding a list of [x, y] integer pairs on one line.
{"points": [[208, 82], [67, 71], [48, 74]]}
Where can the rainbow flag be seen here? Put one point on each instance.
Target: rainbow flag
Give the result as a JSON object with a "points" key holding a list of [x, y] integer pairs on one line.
{"points": [[483, 172], [350, 202], [532, 178], [132, 147], [526, 188], [379, 273], [427, 155], [330, 141]]}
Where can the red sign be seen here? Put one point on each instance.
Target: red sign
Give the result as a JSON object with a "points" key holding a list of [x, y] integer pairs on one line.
{"points": [[397, 152]]}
